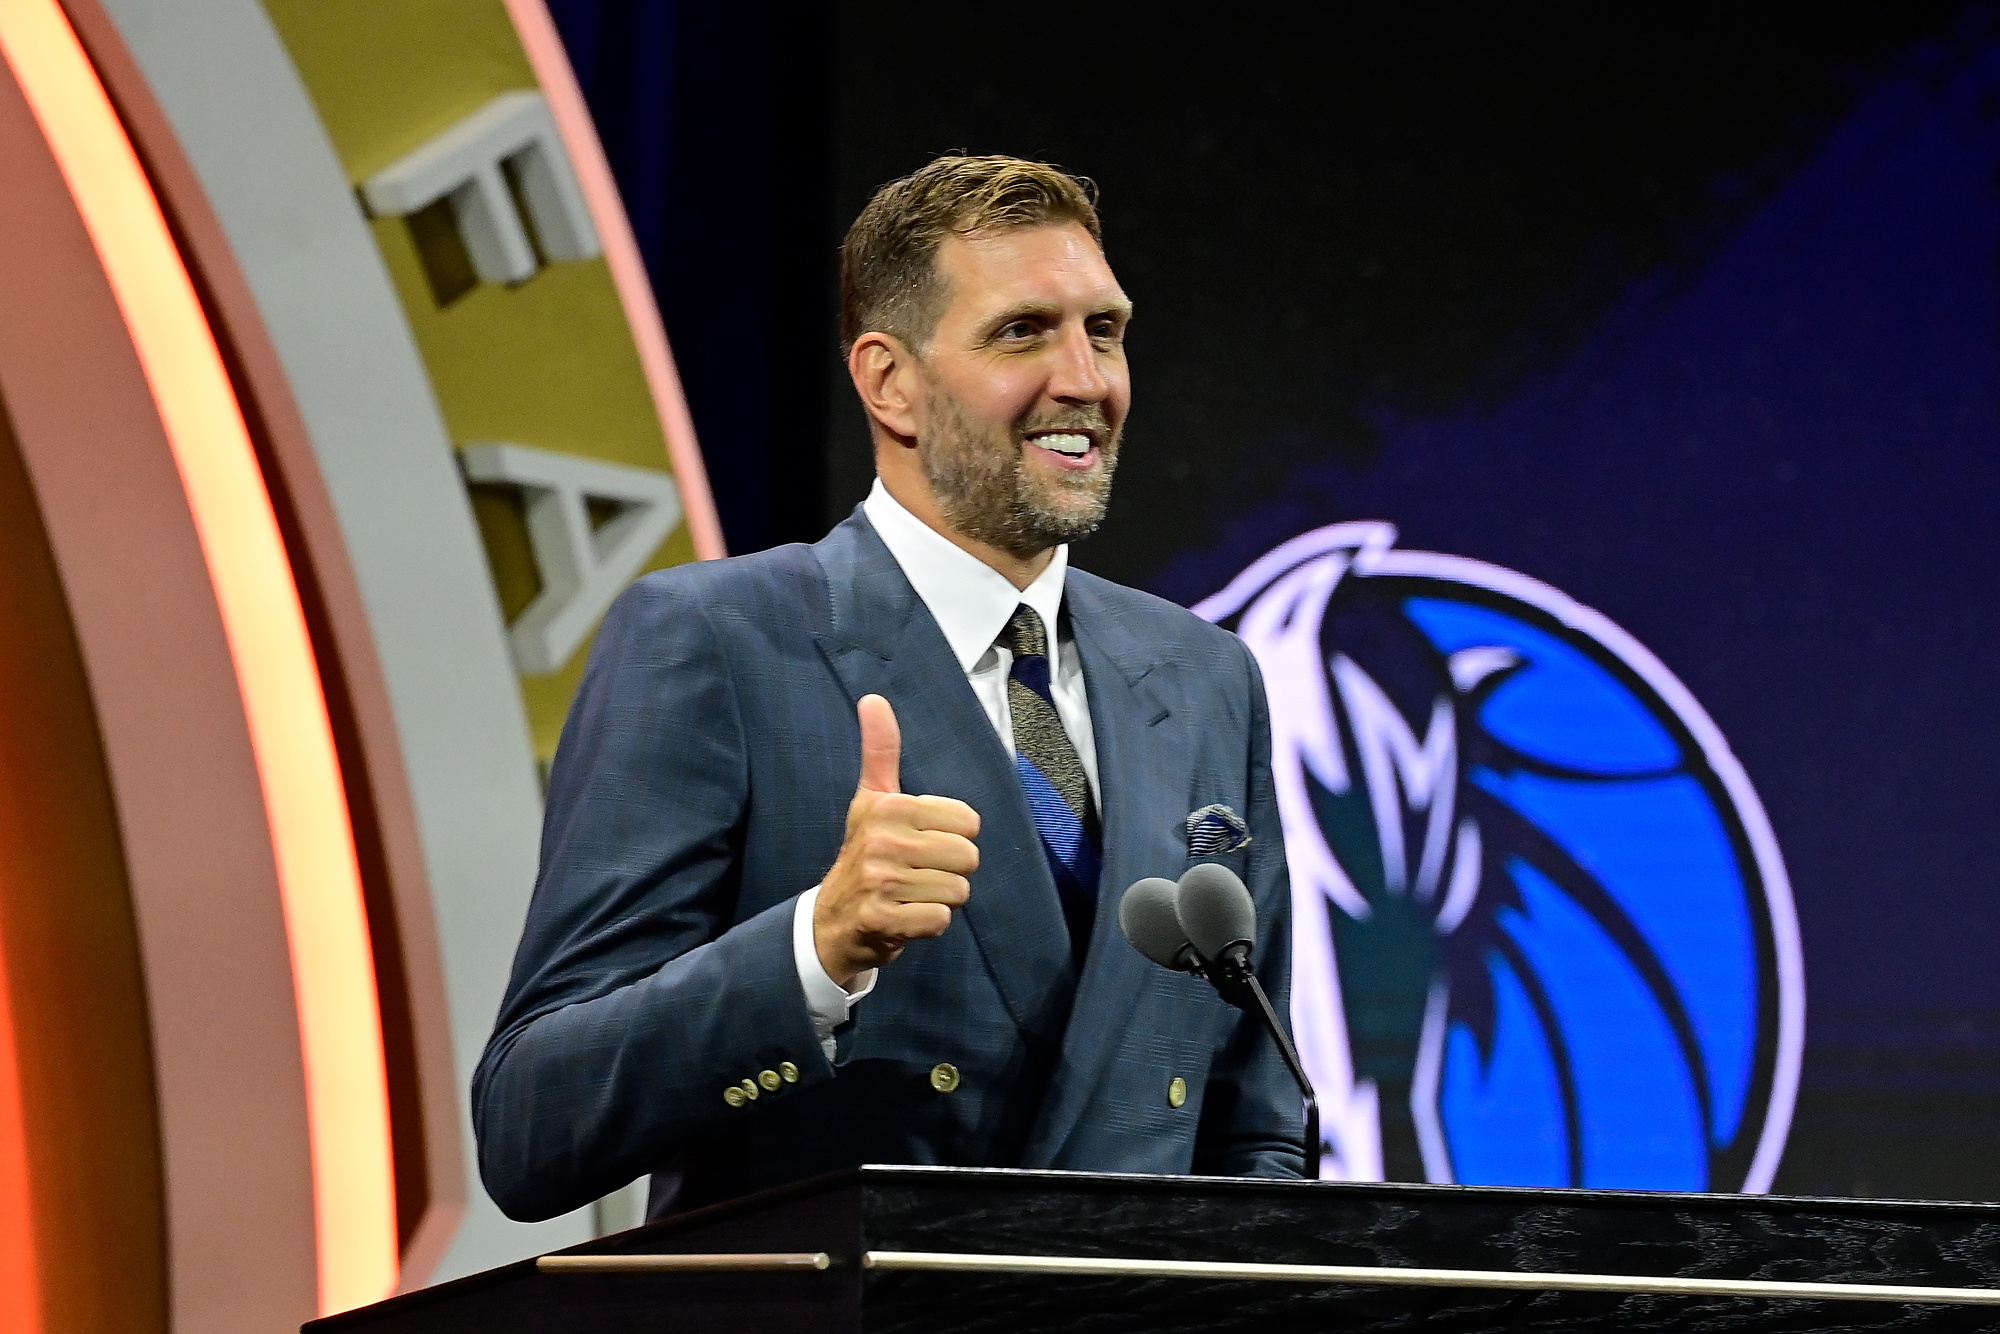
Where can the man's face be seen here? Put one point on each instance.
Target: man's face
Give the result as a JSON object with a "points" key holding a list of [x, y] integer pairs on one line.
{"points": [[1026, 387]]}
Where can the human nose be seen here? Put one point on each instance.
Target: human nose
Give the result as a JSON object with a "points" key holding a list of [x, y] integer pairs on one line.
{"points": [[1077, 375]]}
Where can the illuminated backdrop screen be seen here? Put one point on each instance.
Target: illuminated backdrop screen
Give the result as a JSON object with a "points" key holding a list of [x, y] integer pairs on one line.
{"points": [[1625, 390]]}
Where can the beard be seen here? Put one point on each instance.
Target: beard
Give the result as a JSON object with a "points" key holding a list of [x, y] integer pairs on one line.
{"points": [[986, 491]]}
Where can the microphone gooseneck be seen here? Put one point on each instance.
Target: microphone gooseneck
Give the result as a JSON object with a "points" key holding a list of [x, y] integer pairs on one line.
{"points": [[1207, 925]]}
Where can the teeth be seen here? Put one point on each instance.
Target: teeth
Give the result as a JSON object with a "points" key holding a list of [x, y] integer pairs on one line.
{"points": [[1073, 446]]}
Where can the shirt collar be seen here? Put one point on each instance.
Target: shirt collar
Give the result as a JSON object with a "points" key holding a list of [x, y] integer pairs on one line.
{"points": [[969, 599]]}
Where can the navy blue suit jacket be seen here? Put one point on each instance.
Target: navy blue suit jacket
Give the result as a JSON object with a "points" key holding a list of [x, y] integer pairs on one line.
{"points": [[702, 784]]}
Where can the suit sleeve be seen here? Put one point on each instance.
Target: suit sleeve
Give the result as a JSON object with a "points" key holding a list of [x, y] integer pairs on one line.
{"points": [[634, 1003], [1253, 1119]]}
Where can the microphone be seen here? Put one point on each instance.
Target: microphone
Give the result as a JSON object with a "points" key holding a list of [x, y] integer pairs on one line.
{"points": [[1220, 920], [1148, 917], [1207, 925]]}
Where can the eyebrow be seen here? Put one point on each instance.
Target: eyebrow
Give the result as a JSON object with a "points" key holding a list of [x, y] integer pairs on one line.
{"points": [[1122, 308]]}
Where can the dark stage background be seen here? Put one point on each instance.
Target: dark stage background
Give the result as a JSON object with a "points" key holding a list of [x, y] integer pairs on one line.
{"points": [[1693, 315]]}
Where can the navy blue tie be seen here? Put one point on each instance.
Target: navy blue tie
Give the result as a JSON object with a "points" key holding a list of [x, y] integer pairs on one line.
{"points": [[1052, 775]]}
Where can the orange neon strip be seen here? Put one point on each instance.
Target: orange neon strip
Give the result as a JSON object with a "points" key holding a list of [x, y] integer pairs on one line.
{"points": [[326, 925], [20, 1277]]}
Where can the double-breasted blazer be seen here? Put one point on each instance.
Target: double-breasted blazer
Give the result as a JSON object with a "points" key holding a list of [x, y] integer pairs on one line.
{"points": [[702, 784]]}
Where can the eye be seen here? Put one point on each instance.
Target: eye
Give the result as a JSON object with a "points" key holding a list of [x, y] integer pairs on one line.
{"points": [[1015, 330], [1107, 329]]}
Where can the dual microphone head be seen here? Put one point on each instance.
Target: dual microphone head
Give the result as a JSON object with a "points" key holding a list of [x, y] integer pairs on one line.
{"points": [[1207, 925]]}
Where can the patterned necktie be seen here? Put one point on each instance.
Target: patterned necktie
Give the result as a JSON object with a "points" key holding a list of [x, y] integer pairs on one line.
{"points": [[1052, 775]]}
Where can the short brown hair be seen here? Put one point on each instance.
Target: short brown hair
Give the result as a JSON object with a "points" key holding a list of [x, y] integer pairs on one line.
{"points": [[888, 264]]}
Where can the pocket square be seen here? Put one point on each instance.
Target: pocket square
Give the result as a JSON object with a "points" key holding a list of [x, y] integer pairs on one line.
{"points": [[1214, 830]]}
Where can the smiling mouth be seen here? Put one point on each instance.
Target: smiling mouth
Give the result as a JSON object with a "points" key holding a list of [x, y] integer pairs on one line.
{"points": [[1068, 444]]}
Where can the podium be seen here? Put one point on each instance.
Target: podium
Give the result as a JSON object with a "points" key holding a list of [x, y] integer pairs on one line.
{"points": [[965, 1250]]}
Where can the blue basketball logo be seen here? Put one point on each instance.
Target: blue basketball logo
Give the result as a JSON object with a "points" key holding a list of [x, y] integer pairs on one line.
{"points": [[1543, 933]]}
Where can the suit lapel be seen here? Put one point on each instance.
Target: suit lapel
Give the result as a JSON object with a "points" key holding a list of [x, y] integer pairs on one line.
{"points": [[880, 639], [1141, 771]]}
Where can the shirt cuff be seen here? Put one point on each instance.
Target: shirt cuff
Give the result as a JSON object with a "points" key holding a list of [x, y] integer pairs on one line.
{"points": [[827, 1002]]}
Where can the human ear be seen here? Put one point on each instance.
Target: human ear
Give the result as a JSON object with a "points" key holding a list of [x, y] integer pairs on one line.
{"points": [[884, 372]]}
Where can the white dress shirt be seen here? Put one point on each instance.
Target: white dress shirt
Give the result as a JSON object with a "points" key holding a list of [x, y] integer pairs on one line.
{"points": [[971, 603]]}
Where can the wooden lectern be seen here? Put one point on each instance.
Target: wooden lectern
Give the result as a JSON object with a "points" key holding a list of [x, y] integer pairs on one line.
{"points": [[947, 1250]]}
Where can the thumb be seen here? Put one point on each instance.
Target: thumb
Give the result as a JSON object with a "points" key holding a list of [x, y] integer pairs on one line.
{"points": [[881, 745]]}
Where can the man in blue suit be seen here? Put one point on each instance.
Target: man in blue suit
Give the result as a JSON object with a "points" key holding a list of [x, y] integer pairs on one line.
{"points": [[836, 834]]}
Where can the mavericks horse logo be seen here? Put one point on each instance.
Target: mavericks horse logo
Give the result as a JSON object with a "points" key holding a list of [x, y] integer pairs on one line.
{"points": [[1543, 934]]}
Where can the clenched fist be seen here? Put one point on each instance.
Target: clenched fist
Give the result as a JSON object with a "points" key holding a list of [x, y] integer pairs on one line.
{"points": [[903, 866]]}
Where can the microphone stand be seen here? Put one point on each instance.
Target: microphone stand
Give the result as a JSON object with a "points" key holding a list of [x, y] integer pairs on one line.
{"points": [[1232, 976]]}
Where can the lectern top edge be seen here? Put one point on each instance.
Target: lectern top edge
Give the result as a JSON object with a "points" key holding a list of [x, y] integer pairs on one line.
{"points": [[1414, 1190]]}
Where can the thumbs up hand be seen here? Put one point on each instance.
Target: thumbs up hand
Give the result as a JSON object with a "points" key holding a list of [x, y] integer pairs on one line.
{"points": [[902, 867]]}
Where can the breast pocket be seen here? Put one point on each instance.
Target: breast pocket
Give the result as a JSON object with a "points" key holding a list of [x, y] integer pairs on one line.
{"points": [[1217, 831]]}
